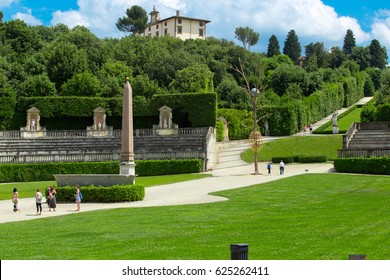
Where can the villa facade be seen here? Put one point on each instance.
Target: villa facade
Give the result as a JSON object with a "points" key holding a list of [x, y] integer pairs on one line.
{"points": [[176, 26]]}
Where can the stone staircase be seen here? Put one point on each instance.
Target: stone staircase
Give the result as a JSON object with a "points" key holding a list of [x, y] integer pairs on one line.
{"points": [[366, 140]]}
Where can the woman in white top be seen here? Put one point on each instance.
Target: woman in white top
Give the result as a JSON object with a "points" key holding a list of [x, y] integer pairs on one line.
{"points": [[38, 201]]}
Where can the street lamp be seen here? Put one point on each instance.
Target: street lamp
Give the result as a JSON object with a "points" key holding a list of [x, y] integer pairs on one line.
{"points": [[255, 138]]}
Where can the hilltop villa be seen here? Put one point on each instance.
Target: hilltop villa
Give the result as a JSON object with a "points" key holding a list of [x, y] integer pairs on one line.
{"points": [[175, 26]]}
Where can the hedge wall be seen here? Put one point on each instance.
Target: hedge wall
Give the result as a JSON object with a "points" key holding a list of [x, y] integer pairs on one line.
{"points": [[373, 165], [45, 171], [194, 110], [117, 193]]}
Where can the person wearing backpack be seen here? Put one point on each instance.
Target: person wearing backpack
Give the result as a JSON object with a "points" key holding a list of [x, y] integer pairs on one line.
{"points": [[38, 201], [78, 196]]}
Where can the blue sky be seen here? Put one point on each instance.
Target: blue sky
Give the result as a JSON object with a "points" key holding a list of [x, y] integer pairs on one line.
{"points": [[313, 20]]}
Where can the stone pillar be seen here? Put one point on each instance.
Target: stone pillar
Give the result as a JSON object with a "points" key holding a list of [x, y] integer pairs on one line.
{"points": [[127, 165]]}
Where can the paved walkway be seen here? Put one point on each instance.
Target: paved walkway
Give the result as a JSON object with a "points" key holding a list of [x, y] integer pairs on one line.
{"points": [[231, 172]]}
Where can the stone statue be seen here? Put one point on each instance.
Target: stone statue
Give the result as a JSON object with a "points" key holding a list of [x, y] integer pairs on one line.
{"points": [[32, 125], [334, 118]]}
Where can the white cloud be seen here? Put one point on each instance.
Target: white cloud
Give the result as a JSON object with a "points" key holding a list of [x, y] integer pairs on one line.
{"points": [[7, 3], [27, 18], [381, 28], [312, 20]]}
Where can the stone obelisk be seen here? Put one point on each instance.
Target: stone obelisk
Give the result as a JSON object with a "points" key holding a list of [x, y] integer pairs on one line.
{"points": [[127, 165]]}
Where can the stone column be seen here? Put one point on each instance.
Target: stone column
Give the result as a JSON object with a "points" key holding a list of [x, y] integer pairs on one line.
{"points": [[127, 166]]}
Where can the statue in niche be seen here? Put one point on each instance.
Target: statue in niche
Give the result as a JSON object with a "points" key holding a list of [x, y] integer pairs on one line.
{"points": [[32, 128]]}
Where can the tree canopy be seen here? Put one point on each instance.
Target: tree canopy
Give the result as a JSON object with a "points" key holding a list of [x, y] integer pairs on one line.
{"points": [[292, 47], [247, 36], [349, 42], [135, 20]]}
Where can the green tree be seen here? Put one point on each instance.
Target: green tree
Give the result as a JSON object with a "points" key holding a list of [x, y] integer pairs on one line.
{"points": [[288, 74], [82, 84], [247, 36], [21, 37], [361, 56], [231, 95], [273, 46], [65, 60], [336, 57], [135, 20], [317, 50], [349, 42], [378, 55], [194, 79], [384, 90], [39, 85], [292, 47]]}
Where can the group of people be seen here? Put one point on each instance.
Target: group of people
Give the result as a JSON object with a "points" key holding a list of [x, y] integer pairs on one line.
{"points": [[281, 168], [50, 199], [308, 128]]}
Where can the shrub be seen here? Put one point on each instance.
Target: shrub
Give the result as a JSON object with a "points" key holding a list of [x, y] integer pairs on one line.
{"points": [[115, 193], [311, 159], [372, 165], [45, 171]]}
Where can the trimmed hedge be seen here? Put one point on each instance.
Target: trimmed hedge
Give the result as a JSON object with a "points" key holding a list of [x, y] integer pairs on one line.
{"points": [[312, 159], [188, 109], [372, 165], [45, 171], [117, 193], [285, 159]]}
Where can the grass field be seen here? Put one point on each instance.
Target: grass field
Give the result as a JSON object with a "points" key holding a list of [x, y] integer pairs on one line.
{"points": [[322, 145], [27, 189], [327, 216]]}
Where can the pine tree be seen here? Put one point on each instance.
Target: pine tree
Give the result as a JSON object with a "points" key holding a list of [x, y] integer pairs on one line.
{"points": [[247, 36], [378, 55], [292, 47], [135, 20], [349, 42], [273, 46]]}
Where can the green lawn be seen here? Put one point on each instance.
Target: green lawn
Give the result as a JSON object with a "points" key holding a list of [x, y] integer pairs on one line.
{"points": [[298, 146], [27, 189], [307, 217]]}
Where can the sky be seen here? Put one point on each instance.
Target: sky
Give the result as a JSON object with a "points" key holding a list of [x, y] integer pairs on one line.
{"points": [[314, 21]]}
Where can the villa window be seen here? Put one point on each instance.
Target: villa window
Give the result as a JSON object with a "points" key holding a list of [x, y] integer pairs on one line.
{"points": [[200, 32], [179, 30]]}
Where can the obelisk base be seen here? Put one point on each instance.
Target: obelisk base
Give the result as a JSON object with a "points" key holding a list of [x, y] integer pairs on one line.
{"points": [[127, 168]]}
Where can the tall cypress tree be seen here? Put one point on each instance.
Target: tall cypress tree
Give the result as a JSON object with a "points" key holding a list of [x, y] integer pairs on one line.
{"points": [[378, 55], [349, 42], [273, 46], [292, 47]]}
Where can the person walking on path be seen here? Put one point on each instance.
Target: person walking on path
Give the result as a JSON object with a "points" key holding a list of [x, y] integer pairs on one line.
{"points": [[52, 199], [269, 168], [281, 167], [38, 202], [78, 197], [15, 199]]}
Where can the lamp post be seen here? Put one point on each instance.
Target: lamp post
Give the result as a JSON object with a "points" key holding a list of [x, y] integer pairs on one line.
{"points": [[255, 137]]}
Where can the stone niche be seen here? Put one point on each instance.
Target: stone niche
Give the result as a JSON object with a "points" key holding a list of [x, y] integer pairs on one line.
{"points": [[165, 126], [33, 127], [99, 127]]}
